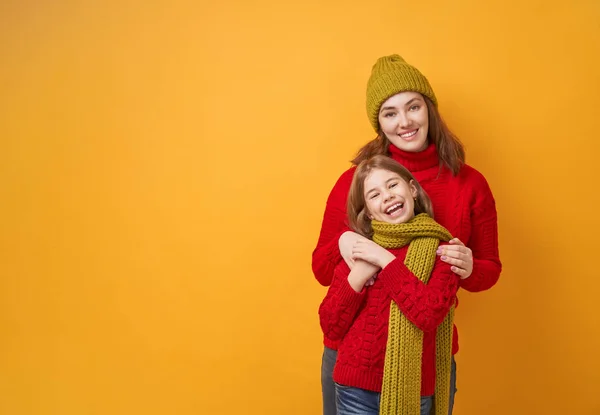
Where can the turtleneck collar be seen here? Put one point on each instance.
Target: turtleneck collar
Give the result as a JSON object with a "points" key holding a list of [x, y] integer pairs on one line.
{"points": [[415, 162]]}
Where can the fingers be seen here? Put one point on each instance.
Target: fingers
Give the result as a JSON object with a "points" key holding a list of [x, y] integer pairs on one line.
{"points": [[455, 251], [454, 248], [358, 254], [459, 260], [458, 256], [462, 273], [365, 242], [362, 256], [449, 256], [456, 241], [360, 247], [456, 262], [357, 249]]}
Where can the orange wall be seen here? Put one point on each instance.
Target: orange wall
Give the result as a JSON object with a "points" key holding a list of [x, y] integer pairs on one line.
{"points": [[164, 168]]}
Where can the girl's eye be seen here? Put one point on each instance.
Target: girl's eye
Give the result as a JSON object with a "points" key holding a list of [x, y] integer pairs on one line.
{"points": [[393, 184], [415, 108], [373, 195], [389, 114]]}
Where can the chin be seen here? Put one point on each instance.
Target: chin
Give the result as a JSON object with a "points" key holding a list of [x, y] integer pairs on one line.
{"points": [[419, 145], [412, 147]]}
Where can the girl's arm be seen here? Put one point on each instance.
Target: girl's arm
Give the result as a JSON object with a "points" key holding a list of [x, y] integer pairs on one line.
{"points": [[344, 298], [425, 305]]}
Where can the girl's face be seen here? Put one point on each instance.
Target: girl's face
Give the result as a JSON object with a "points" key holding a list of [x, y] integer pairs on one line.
{"points": [[404, 121], [388, 198]]}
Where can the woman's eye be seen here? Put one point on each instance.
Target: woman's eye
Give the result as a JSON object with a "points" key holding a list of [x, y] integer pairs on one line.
{"points": [[389, 114], [415, 108]]}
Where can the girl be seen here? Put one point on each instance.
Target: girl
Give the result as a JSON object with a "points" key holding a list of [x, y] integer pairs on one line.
{"points": [[402, 108], [414, 291]]}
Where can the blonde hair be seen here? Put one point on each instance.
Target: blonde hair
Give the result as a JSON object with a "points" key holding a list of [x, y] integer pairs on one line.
{"points": [[358, 218]]}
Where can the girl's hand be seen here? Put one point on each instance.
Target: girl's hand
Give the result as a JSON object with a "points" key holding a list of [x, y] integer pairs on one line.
{"points": [[459, 256], [346, 242], [362, 275], [369, 251]]}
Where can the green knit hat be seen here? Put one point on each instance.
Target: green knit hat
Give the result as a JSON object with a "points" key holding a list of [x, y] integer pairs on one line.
{"points": [[391, 75]]}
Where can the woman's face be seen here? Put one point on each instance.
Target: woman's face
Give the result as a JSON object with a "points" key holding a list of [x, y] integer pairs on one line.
{"points": [[405, 122]]}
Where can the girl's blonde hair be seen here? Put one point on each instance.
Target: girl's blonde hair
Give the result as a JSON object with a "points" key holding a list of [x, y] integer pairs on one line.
{"points": [[358, 218]]}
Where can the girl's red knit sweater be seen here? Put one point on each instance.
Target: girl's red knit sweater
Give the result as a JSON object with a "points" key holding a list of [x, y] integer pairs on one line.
{"points": [[360, 320]]}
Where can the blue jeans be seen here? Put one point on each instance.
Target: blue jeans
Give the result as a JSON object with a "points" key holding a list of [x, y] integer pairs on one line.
{"points": [[329, 391], [355, 401], [327, 385]]}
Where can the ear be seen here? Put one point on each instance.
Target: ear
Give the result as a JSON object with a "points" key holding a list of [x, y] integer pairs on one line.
{"points": [[413, 189]]}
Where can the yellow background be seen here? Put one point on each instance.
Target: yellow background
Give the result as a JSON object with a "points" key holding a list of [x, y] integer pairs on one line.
{"points": [[164, 167]]}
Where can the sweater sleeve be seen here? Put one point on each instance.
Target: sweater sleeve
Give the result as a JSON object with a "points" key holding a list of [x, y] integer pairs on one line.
{"points": [[340, 306], [327, 255], [425, 305], [484, 240]]}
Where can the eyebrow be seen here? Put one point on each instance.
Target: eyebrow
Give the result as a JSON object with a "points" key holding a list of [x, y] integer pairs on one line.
{"points": [[412, 100], [386, 182], [393, 108]]}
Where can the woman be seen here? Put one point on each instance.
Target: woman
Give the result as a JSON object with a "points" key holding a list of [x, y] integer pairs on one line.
{"points": [[402, 108]]}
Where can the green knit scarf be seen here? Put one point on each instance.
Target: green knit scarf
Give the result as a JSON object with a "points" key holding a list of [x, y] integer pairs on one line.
{"points": [[401, 389]]}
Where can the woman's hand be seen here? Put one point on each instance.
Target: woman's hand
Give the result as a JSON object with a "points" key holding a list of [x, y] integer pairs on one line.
{"points": [[459, 256], [369, 251]]}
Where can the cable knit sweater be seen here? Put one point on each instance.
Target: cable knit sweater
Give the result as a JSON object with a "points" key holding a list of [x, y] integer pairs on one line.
{"points": [[463, 204], [360, 320]]}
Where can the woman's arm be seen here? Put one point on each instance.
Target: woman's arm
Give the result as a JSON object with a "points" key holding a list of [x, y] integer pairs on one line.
{"points": [[326, 254], [483, 241], [425, 305], [477, 264]]}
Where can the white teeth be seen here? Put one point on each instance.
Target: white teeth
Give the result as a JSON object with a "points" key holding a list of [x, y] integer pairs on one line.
{"points": [[406, 135], [391, 208]]}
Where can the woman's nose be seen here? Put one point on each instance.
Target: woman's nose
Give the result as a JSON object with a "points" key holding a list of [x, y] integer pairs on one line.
{"points": [[403, 120]]}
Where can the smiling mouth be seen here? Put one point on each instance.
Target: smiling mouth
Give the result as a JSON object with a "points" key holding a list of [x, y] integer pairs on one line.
{"points": [[409, 134], [394, 208]]}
